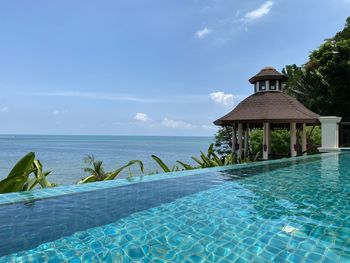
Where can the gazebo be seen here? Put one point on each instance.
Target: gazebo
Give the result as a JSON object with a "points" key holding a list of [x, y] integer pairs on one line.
{"points": [[268, 108]]}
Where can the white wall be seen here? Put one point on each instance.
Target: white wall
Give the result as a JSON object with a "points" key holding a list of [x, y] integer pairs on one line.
{"points": [[330, 133]]}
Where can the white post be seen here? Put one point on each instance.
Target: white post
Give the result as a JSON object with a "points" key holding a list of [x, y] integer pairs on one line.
{"points": [[303, 140], [293, 139], [268, 134], [330, 133], [266, 140], [240, 135], [246, 142], [233, 139]]}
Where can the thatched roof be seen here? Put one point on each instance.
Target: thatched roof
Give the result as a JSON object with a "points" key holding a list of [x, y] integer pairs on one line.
{"points": [[269, 106], [268, 73]]}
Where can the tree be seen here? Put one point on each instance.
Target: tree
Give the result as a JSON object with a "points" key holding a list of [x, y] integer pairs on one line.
{"points": [[323, 83], [223, 142]]}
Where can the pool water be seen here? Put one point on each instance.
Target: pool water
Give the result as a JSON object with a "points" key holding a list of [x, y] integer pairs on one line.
{"points": [[293, 211]]}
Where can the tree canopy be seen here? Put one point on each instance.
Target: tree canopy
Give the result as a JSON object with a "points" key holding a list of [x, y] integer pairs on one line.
{"points": [[323, 82]]}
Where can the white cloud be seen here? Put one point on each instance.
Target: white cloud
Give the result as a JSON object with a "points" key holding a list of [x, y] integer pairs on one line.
{"points": [[222, 98], [176, 124], [203, 33], [142, 117], [4, 109], [169, 123], [263, 10]]}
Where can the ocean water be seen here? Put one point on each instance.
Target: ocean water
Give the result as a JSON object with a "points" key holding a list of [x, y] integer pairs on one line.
{"points": [[64, 154]]}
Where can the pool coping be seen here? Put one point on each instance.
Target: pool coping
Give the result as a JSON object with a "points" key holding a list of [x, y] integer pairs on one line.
{"points": [[39, 194]]}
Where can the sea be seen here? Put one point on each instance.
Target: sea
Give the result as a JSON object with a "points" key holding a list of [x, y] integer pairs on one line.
{"points": [[64, 154]]}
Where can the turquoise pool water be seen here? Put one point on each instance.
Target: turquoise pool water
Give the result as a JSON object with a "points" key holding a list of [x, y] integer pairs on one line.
{"points": [[285, 211]]}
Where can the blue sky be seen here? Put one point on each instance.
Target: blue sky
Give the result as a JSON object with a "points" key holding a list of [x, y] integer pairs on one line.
{"points": [[156, 67]]}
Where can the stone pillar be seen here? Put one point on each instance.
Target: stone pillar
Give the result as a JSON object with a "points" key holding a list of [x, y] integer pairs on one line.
{"points": [[233, 139], [293, 139], [303, 140], [239, 140], [266, 140], [246, 142], [330, 133]]}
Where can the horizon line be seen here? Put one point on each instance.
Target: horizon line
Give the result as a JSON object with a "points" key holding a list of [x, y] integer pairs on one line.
{"points": [[120, 135]]}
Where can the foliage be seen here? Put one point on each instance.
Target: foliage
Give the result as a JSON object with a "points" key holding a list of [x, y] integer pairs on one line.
{"points": [[280, 141], [163, 166], [205, 160], [313, 138], [323, 83], [97, 172], [223, 141], [25, 175], [256, 140]]}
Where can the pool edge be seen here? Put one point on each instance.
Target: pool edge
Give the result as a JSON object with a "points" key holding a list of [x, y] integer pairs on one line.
{"points": [[39, 194]]}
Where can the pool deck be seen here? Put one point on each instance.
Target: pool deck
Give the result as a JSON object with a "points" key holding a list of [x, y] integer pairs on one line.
{"points": [[38, 194]]}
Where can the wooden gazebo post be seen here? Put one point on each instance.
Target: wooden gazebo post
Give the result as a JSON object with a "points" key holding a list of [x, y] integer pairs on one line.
{"points": [[246, 141], [266, 140], [240, 140], [293, 139], [233, 139], [303, 140]]}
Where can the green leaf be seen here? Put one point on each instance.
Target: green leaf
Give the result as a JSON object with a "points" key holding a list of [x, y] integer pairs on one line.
{"points": [[23, 166], [19, 174], [13, 184], [186, 166], [205, 159], [88, 179], [161, 164], [217, 159], [210, 149], [198, 161], [40, 176], [114, 174]]}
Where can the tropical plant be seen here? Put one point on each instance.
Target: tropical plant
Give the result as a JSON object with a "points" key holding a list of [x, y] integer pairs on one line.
{"points": [[97, 172], [163, 166], [280, 141], [25, 175], [211, 159], [223, 143], [205, 160], [323, 82]]}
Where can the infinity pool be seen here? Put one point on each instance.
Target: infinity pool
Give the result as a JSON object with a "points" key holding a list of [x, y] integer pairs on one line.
{"points": [[296, 210]]}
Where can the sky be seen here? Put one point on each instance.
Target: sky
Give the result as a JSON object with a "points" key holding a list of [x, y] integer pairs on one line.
{"points": [[155, 67]]}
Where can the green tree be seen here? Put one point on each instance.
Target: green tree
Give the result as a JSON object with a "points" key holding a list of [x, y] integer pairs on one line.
{"points": [[222, 145], [323, 83]]}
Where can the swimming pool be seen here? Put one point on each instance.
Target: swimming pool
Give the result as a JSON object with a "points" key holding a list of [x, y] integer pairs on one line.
{"points": [[284, 211]]}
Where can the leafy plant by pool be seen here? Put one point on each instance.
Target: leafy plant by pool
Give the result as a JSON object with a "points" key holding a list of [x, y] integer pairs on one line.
{"points": [[28, 172], [97, 172], [25, 175], [205, 160]]}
